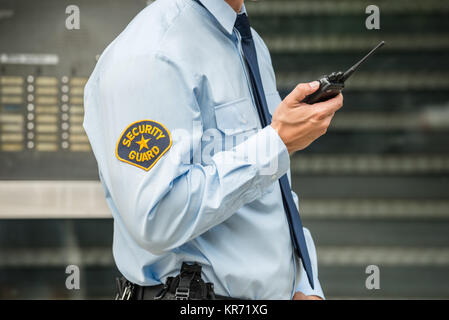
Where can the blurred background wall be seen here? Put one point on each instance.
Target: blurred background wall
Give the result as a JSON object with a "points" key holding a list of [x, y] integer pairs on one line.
{"points": [[374, 190]]}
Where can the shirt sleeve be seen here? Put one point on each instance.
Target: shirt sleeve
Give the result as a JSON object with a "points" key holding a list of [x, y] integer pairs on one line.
{"points": [[302, 281], [179, 198]]}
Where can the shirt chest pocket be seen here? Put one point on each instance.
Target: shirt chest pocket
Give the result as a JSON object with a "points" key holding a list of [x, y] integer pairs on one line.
{"points": [[236, 118], [273, 100]]}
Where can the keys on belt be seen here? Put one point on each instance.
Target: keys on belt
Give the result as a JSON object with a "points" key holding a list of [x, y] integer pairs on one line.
{"points": [[125, 289]]}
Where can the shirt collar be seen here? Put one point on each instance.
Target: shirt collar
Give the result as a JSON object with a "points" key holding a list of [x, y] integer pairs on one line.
{"points": [[223, 12]]}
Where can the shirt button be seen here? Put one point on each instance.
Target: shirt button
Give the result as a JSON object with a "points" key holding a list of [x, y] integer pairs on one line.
{"points": [[273, 177]]}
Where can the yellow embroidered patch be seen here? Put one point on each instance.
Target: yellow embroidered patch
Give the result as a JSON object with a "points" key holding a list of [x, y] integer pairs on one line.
{"points": [[143, 143]]}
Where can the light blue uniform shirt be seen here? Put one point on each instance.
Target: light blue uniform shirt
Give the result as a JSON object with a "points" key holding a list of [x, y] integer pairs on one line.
{"points": [[213, 197]]}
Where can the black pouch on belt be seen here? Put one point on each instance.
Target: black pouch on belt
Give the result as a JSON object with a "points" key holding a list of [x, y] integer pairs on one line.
{"points": [[187, 285]]}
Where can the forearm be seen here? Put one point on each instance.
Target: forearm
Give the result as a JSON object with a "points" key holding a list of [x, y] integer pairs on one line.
{"points": [[204, 196]]}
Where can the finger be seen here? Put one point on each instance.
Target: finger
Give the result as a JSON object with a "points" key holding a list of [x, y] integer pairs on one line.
{"points": [[301, 91], [330, 106], [314, 298], [325, 123], [328, 119], [299, 296]]}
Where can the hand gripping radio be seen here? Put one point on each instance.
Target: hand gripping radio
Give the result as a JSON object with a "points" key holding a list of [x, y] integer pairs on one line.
{"points": [[333, 84]]}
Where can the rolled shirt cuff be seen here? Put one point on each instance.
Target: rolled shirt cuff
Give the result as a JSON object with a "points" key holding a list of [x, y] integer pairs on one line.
{"points": [[267, 154]]}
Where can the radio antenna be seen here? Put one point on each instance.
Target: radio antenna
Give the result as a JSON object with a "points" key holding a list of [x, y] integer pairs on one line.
{"points": [[351, 70]]}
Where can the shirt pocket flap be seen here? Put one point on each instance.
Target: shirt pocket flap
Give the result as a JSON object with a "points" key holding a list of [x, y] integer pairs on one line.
{"points": [[236, 117]]}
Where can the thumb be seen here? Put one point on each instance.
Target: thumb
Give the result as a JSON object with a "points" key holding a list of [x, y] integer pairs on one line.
{"points": [[301, 91]]}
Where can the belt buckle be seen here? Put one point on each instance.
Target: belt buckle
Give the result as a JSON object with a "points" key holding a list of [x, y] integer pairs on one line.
{"points": [[182, 293]]}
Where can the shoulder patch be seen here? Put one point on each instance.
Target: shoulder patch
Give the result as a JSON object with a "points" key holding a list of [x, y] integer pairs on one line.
{"points": [[143, 143]]}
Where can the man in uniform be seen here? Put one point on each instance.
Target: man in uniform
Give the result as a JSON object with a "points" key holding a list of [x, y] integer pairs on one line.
{"points": [[192, 142]]}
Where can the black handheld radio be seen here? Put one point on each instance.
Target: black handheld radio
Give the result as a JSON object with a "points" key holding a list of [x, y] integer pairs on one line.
{"points": [[331, 85]]}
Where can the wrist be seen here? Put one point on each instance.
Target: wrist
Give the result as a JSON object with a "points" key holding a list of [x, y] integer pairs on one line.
{"points": [[276, 127]]}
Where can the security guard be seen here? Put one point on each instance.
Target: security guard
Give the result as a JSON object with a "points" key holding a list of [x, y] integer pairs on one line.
{"points": [[192, 142]]}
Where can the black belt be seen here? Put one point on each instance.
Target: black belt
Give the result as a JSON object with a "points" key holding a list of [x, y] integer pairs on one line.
{"points": [[156, 293], [188, 285]]}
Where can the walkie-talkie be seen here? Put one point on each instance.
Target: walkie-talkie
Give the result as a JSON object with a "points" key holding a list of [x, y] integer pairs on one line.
{"points": [[331, 85]]}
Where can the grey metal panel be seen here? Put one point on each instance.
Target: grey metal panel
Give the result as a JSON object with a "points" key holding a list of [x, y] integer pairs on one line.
{"points": [[39, 27]]}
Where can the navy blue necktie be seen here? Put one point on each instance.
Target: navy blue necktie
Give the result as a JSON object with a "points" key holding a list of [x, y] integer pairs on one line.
{"points": [[294, 221]]}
